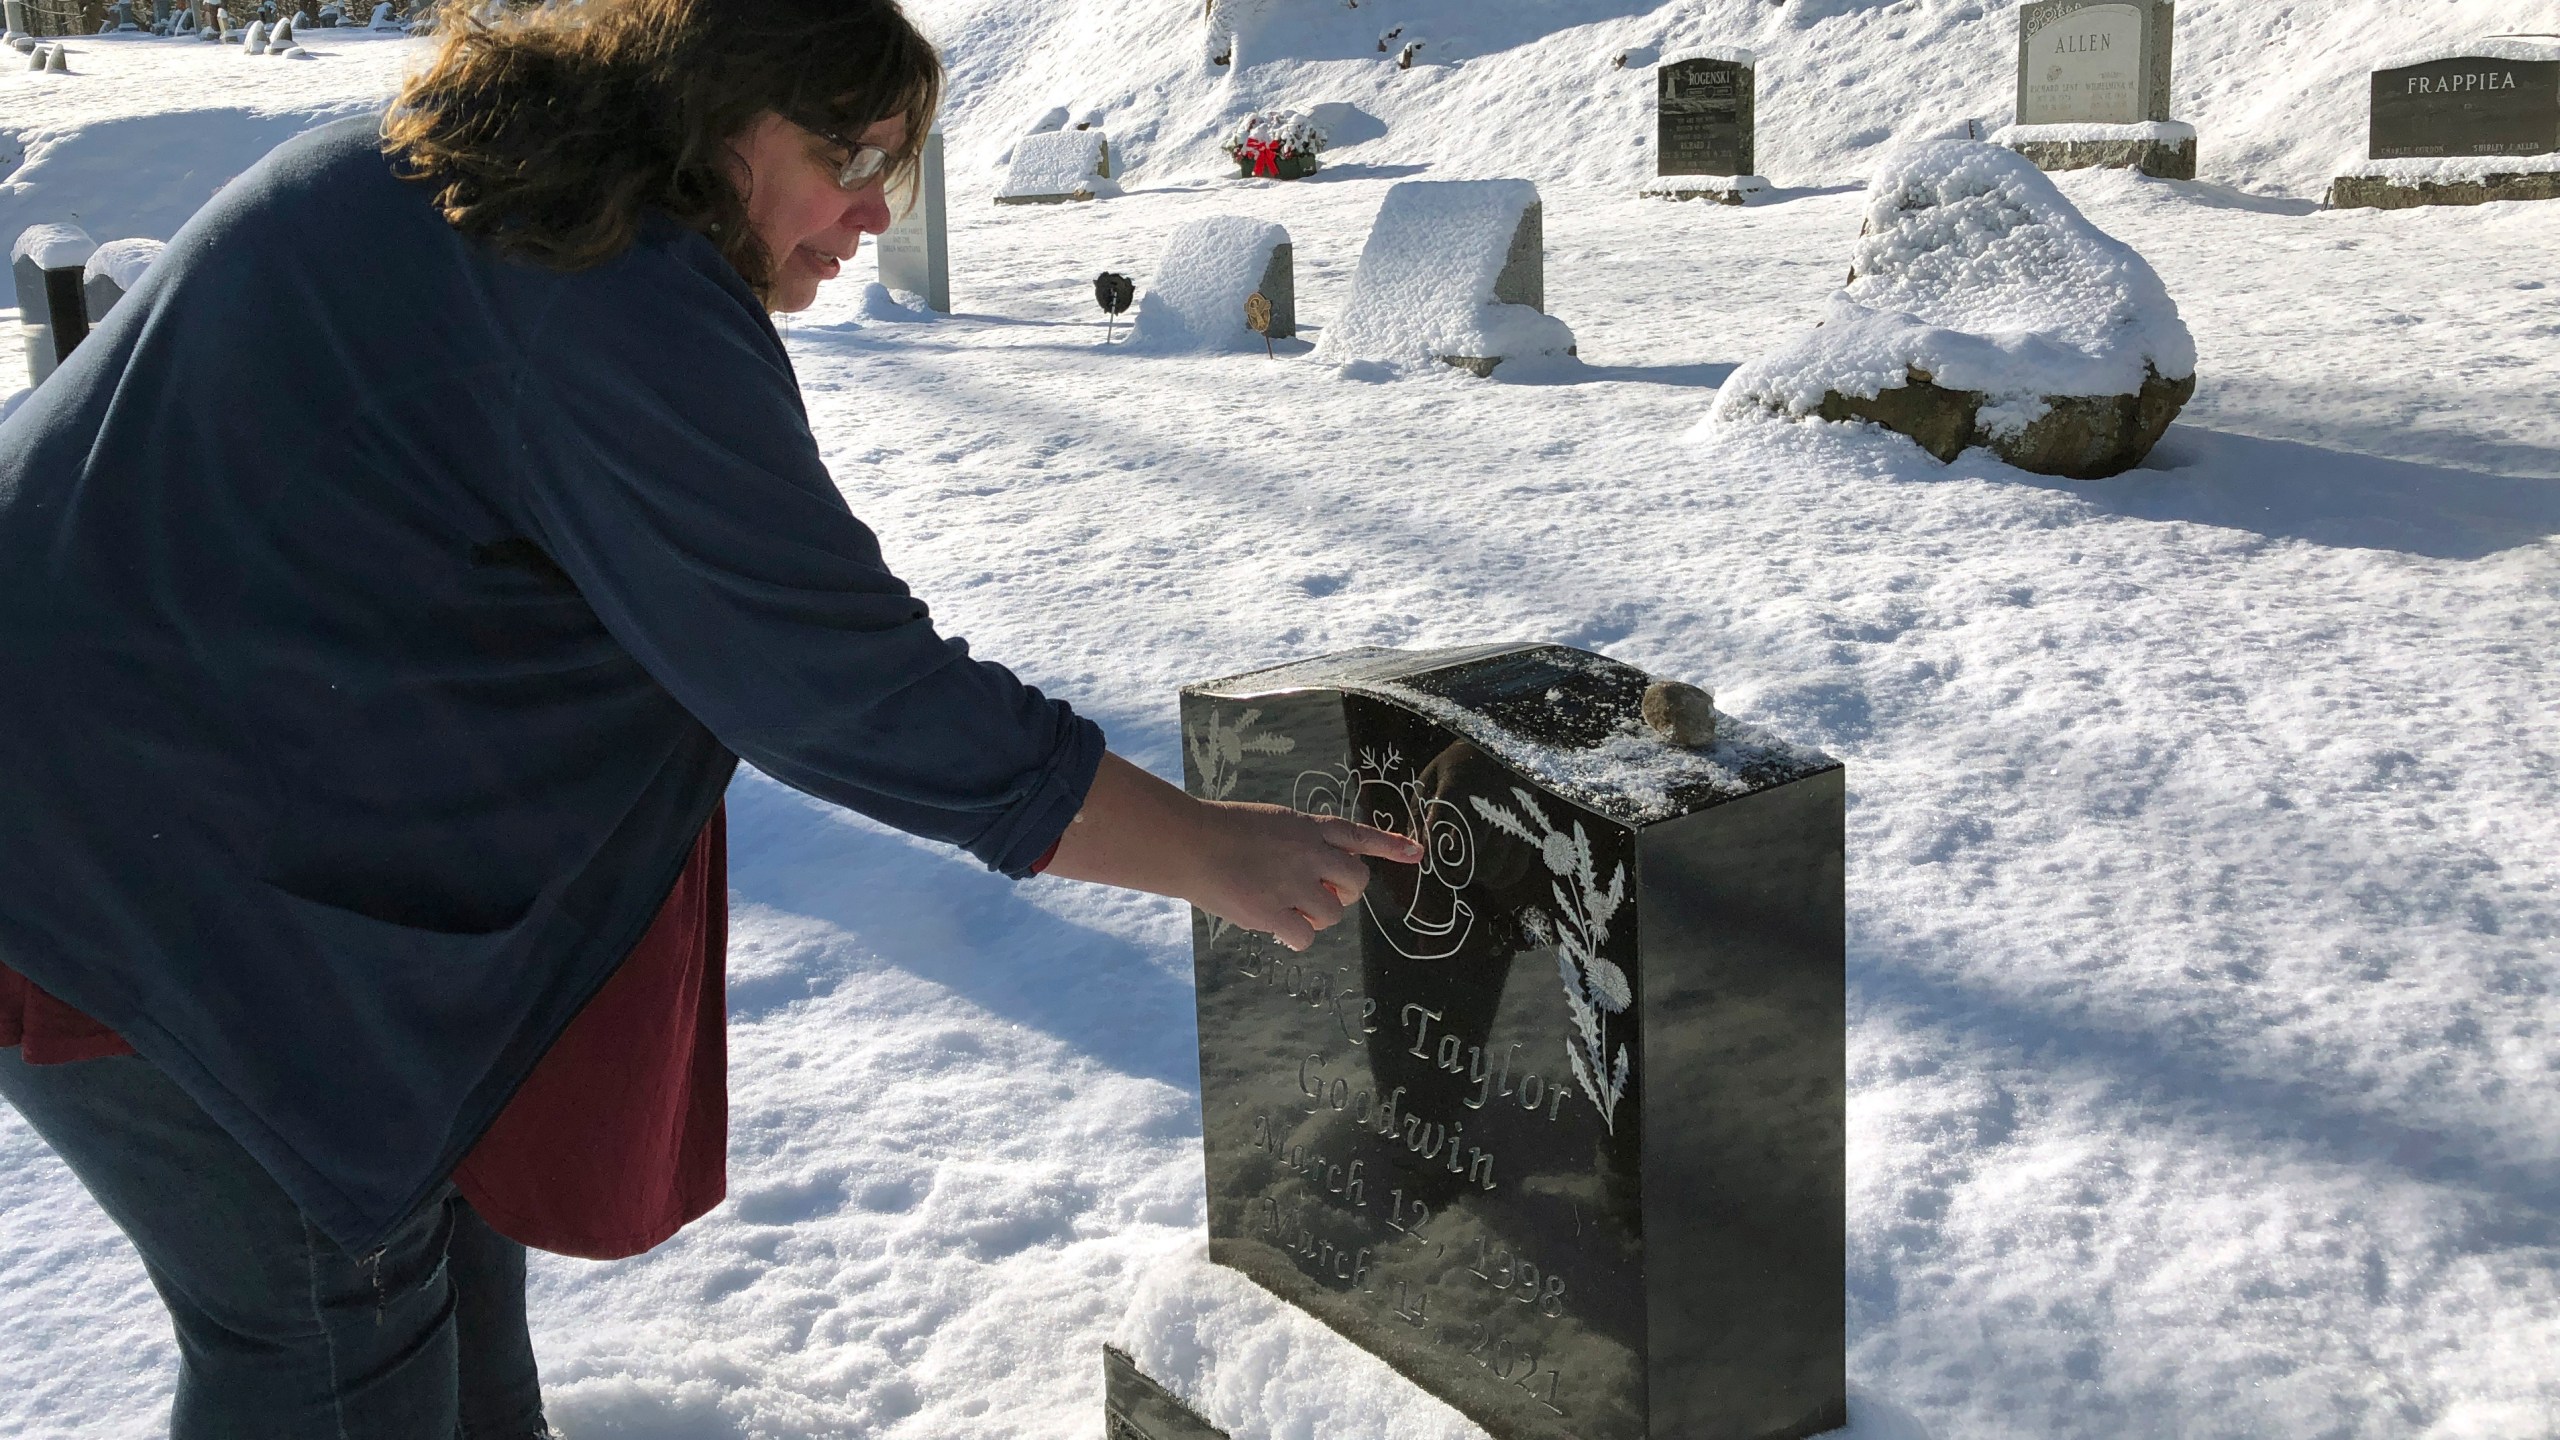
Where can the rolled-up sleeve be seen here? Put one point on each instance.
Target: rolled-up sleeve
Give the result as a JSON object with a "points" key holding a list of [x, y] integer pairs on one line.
{"points": [[668, 468]]}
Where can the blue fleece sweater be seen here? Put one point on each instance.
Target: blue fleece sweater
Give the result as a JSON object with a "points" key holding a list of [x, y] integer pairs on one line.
{"points": [[351, 735]]}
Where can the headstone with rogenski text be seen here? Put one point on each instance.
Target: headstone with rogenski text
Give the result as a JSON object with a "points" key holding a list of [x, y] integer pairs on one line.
{"points": [[2094, 62], [1551, 1122], [1704, 116], [2467, 105]]}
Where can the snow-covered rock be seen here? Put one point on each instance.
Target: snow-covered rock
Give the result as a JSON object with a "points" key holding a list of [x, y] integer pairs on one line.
{"points": [[1453, 271], [1195, 300], [1984, 309], [1057, 165]]}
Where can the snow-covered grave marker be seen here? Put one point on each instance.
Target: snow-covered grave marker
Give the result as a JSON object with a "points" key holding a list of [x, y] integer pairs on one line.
{"points": [[2094, 88], [13, 18], [1983, 309], [2462, 129], [112, 272], [1453, 271], [1553, 1125], [1204, 281], [915, 252], [1055, 166], [47, 264], [1705, 128]]}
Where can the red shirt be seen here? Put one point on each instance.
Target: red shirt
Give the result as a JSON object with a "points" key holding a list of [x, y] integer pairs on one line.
{"points": [[620, 1136]]}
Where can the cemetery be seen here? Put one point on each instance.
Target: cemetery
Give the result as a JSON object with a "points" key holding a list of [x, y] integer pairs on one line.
{"points": [[1977, 709]]}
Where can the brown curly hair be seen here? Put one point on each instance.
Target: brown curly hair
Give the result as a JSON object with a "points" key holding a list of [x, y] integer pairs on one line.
{"points": [[550, 133]]}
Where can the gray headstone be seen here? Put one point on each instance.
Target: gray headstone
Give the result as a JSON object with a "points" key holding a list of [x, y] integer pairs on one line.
{"points": [[2466, 107], [2094, 62], [382, 15], [915, 252], [45, 266], [1704, 118], [16, 12], [1523, 280], [1280, 287]]}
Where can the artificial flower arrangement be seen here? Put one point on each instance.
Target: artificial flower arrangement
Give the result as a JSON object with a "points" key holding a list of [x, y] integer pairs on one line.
{"points": [[1276, 144]]}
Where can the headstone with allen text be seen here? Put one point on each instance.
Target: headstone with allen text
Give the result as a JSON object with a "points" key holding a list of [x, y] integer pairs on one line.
{"points": [[1552, 1121], [915, 252], [2462, 129], [2094, 62], [2094, 87]]}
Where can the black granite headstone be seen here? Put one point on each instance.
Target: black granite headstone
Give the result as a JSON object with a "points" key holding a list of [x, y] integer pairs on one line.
{"points": [[2466, 107], [1704, 115], [1553, 1123]]}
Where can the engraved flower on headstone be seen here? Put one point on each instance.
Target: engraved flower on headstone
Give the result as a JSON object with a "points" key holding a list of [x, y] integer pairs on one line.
{"points": [[1594, 986]]}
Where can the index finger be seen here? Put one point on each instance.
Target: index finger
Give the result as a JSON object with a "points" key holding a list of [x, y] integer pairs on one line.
{"points": [[1358, 839]]}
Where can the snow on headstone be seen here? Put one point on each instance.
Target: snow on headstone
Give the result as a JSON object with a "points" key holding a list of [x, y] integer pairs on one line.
{"points": [[254, 42], [1983, 309], [1059, 165], [45, 266], [382, 17], [1455, 271], [1209, 269], [112, 272]]}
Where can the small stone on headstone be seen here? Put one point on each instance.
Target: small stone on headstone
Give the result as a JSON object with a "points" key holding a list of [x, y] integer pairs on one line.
{"points": [[1680, 713]]}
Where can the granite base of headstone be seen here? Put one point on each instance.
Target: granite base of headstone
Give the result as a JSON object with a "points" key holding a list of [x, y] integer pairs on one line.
{"points": [[2461, 130], [1552, 1123], [46, 266], [914, 254], [1705, 145], [2094, 88], [1135, 1407], [2164, 150]]}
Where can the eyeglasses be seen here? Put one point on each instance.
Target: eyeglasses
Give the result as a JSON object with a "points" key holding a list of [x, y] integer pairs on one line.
{"points": [[863, 163]]}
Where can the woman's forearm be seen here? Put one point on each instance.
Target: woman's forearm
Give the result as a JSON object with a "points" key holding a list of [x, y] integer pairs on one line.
{"points": [[1263, 867]]}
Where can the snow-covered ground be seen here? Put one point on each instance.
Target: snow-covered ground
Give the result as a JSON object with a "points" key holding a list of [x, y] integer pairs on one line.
{"points": [[2205, 823]]}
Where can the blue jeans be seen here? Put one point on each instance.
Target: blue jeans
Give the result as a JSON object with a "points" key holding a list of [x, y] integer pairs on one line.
{"points": [[282, 1333]]}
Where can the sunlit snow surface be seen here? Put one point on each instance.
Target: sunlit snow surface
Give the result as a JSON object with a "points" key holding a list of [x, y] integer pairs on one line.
{"points": [[2203, 891]]}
